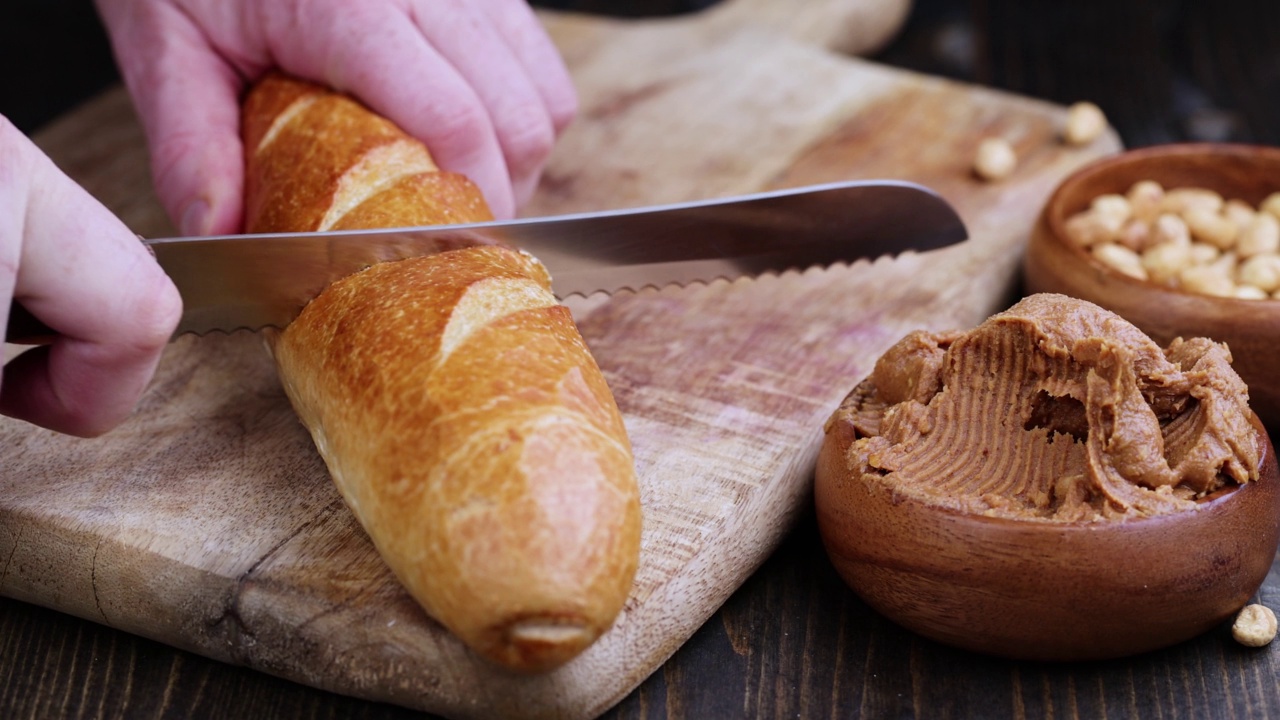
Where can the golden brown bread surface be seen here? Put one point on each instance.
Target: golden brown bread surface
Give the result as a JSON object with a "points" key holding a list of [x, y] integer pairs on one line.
{"points": [[454, 401]]}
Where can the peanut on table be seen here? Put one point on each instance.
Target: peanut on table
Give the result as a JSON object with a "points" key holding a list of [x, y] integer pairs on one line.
{"points": [[1255, 626], [995, 159], [1085, 123]]}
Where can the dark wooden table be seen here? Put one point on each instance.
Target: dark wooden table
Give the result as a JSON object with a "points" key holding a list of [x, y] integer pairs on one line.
{"points": [[793, 641]]}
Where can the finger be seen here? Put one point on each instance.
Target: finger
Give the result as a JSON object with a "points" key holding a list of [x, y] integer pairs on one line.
{"points": [[465, 36], [525, 35], [187, 97], [383, 59], [83, 273]]}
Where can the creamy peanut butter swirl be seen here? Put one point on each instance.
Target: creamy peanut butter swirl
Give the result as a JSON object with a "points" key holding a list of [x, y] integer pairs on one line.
{"points": [[1054, 409]]}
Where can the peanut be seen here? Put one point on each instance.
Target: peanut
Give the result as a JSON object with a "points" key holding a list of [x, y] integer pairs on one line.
{"points": [[1260, 236], [1227, 264], [1121, 259], [1186, 237], [1204, 253], [1239, 212], [1249, 292], [1115, 208], [1085, 123], [1144, 198], [995, 159], [1255, 626], [1180, 200], [1089, 228], [1211, 227], [1271, 204], [1135, 235], [1206, 280], [1170, 228], [1261, 271], [1163, 262]]}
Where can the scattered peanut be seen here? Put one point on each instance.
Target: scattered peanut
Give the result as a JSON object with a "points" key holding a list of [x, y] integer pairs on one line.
{"points": [[1255, 626], [995, 159], [1085, 123], [1188, 238]]}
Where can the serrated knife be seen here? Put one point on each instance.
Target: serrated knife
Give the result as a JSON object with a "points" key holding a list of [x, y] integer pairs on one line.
{"points": [[253, 281]]}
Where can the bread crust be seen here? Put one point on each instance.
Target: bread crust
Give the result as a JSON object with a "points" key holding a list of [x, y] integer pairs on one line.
{"points": [[459, 411]]}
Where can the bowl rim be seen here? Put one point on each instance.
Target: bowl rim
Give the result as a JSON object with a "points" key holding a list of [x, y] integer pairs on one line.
{"points": [[1054, 215]]}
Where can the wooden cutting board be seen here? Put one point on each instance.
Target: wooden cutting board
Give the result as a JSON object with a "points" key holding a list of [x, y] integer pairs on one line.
{"points": [[208, 521]]}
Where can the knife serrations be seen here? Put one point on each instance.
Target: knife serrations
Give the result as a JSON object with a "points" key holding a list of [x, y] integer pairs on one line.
{"points": [[236, 282], [818, 226]]}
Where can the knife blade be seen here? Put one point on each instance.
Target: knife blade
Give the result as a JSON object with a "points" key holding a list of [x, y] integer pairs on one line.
{"points": [[238, 282]]}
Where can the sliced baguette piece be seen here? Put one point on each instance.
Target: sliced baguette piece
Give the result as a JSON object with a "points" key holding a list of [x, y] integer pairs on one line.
{"points": [[457, 407]]}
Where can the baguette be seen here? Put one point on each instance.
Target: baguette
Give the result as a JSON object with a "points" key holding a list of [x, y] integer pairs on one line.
{"points": [[458, 410]]}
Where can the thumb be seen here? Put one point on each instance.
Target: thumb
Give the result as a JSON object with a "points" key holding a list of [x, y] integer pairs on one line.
{"points": [[187, 100]]}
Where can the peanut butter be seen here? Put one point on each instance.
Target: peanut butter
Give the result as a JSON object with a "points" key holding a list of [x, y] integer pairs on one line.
{"points": [[1055, 409]]}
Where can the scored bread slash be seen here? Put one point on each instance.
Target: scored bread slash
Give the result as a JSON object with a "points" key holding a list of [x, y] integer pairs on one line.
{"points": [[240, 282]]}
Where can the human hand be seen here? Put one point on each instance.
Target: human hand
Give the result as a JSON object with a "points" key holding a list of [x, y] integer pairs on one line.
{"points": [[478, 81], [78, 269]]}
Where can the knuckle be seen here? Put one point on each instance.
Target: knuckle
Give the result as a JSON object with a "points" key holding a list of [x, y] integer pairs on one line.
{"points": [[527, 137], [460, 126], [190, 164], [149, 311], [562, 105], [156, 313]]}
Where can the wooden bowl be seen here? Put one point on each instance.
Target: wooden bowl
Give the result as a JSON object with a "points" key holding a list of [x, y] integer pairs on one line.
{"points": [[1250, 328], [1044, 590]]}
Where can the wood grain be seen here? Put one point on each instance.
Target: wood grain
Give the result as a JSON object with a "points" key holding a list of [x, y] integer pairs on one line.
{"points": [[208, 523]]}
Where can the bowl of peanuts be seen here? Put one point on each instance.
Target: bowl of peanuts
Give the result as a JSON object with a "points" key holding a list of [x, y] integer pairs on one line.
{"points": [[1182, 240]]}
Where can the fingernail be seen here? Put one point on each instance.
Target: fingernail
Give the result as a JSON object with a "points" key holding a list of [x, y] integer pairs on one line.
{"points": [[195, 219]]}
